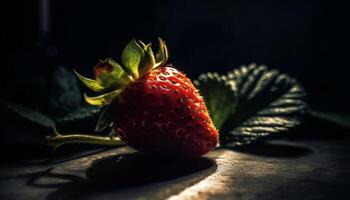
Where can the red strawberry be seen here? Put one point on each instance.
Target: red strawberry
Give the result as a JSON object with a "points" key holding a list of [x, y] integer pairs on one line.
{"points": [[163, 112], [153, 108]]}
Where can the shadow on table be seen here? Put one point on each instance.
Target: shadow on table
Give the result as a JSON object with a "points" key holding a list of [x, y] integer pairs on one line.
{"points": [[137, 169], [39, 154], [113, 174], [279, 150]]}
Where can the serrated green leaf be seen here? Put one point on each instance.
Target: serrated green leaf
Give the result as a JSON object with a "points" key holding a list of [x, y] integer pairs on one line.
{"points": [[219, 95], [268, 102], [264, 102], [90, 83], [131, 58], [31, 115]]}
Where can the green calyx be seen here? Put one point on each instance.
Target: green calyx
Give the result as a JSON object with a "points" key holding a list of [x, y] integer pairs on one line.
{"points": [[111, 78]]}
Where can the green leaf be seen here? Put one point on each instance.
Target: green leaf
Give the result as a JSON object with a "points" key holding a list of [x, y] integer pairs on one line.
{"points": [[147, 61], [80, 113], [131, 58], [219, 95], [162, 54], [90, 83], [109, 74], [103, 99], [142, 45], [65, 94], [31, 115], [106, 117], [268, 102]]}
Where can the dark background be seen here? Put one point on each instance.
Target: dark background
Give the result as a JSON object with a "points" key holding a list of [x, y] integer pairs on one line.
{"points": [[305, 39]]}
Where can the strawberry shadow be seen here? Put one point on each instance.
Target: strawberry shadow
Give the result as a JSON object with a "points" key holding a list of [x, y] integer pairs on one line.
{"points": [[140, 169], [112, 175]]}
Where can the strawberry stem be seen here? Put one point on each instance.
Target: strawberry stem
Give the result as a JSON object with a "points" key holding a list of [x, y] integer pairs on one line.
{"points": [[56, 140]]}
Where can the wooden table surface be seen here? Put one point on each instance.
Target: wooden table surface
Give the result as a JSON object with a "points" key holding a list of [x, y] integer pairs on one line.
{"points": [[279, 169]]}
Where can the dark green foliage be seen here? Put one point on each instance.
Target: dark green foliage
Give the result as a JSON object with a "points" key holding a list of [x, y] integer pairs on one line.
{"points": [[65, 95], [219, 96], [267, 102], [81, 112], [65, 103], [31, 115]]}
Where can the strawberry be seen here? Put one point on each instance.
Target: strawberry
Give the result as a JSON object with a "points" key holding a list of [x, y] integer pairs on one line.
{"points": [[151, 106]]}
